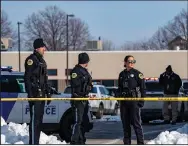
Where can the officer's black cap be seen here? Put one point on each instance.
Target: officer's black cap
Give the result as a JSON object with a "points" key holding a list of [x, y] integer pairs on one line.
{"points": [[38, 43], [83, 58], [169, 68]]}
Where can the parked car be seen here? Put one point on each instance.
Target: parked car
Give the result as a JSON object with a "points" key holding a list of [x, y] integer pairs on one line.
{"points": [[152, 110], [100, 107], [185, 87], [113, 91], [57, 115]]}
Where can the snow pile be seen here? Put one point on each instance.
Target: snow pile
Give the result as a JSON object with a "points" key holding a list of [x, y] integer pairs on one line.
{"points": [[180, 136], [19, 134], [109, 118]]}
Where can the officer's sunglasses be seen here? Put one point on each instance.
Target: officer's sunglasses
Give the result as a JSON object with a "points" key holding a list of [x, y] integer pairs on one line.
{"points": [[131, 61]]}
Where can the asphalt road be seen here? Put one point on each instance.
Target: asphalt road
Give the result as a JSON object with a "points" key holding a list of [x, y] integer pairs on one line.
{"points": [[110, 132]]}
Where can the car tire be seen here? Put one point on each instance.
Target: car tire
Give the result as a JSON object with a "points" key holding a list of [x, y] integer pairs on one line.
{"points": [[100, 112], [66, 124], [115, 111]]}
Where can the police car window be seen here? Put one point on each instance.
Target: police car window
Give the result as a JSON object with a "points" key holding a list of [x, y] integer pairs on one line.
{"points": [[153, 86], [102, 90], [94, 90], [106, 91], [12, 84], [67, 90]]}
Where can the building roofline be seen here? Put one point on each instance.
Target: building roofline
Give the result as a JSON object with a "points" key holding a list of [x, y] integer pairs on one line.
{"points": [[99, 52]]}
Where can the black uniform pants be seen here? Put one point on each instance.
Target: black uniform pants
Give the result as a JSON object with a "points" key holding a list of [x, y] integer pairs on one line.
{"points": [[36, 118], [130, 115], [78, 129]]}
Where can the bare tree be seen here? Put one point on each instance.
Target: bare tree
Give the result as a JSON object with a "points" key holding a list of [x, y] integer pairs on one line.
{"points": [[176, 27], [139, 45], [108, 45], [6, 27], [79, 34], [50, 24]]}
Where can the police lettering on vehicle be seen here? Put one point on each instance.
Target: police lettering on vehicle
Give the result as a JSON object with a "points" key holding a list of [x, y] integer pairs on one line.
{"points": [[48, 110]]}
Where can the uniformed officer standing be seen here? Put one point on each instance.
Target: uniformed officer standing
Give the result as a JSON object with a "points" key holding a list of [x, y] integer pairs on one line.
{"points": [[171, 83], [131, 84], [36, 86], [80, 87]]}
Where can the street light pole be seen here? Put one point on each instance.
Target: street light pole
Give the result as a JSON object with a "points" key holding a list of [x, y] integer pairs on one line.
{"points": [[19, 56], [67, 49]]}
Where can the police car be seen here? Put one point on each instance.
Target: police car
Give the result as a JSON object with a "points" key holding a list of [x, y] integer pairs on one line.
{"points": [[152, 110], [185, 87], [58, 114], [100, 107]]}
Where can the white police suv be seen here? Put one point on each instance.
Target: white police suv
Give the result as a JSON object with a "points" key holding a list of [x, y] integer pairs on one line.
{"points": [[100, 107], [58, 114]]}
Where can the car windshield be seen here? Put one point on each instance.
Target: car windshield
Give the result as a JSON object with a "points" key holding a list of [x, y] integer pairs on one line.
{"points": [[185, 85], [153, 86], [106, 91]]}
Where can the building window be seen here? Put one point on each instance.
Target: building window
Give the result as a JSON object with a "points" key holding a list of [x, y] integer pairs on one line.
{"points": [[69, 71], [53, 83], [52, 72], [115, 82], [108, 82], [97, 81]]}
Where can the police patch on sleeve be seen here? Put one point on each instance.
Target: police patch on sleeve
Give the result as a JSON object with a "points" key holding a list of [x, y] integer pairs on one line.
{"points": [[29, 62], [141, 76], [74, 75]]}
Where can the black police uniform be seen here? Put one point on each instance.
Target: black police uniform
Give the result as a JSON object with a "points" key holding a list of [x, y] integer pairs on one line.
{"points": [[131, 84], [80, 87], [36, 86]]}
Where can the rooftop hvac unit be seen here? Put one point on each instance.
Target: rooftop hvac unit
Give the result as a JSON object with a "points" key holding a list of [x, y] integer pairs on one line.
{"points": [[94, 45]]}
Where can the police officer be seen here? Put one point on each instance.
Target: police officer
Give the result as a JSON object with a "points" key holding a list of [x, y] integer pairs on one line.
{"points": [[131, 84], [36, 86], [80, 87], [171, 83]]}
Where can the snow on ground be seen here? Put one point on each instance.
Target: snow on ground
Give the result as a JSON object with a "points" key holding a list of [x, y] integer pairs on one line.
{"points": [[156, 121], [13, 133], [180, 136], [108, 118]]}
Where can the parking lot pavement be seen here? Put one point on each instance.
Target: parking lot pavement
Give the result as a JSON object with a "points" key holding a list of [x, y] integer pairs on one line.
{"points": [[110, 132]]}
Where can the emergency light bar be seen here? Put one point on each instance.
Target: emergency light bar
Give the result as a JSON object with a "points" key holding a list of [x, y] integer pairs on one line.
{"points": [[6, 68], [154, 79], [95, 83]]}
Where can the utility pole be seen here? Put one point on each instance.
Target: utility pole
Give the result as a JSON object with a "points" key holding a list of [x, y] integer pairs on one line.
{"points": [[67, 49], [19, 56]]}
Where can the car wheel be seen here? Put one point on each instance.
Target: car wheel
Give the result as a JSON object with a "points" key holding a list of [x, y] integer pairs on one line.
{"points": [[115, 111], [100, 112], [66, 126]]}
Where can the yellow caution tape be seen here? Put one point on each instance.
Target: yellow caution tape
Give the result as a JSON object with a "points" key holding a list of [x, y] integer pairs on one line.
{"points": [[104, 98]]}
